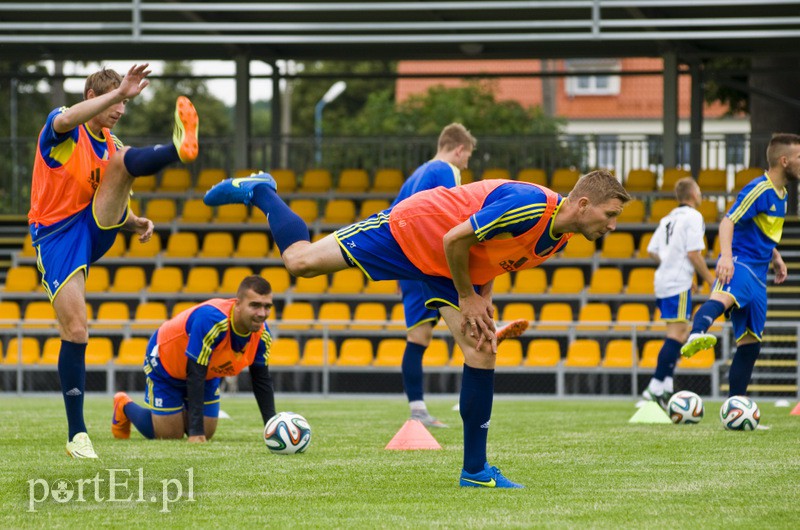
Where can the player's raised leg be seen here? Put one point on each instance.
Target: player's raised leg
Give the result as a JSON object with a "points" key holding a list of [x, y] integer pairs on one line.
{"points": [[699, 338], [512, 330]]}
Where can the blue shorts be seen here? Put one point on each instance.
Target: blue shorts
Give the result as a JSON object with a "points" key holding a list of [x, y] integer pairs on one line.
{"points": [[370, 246], [70, 245], [165, 395], [748, 314], [415, 295], [676, 308]]}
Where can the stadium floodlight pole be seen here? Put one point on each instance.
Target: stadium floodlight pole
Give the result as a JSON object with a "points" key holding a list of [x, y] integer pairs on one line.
{"points": [[333, 92]]}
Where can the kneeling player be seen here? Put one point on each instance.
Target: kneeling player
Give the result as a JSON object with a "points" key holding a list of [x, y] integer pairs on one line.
{"points": [[187, 357]]}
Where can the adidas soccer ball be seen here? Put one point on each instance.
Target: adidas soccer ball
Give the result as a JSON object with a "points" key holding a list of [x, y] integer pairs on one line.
{"points": [[739, 413], [287, 433], [685, 407]]}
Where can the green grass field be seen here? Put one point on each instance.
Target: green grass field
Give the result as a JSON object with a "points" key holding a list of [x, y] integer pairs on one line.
{"points": [[583, 464]]}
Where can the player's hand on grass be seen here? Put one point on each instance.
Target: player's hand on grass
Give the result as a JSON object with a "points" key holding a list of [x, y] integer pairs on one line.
{"points": [[724, 269], [197, 439]]}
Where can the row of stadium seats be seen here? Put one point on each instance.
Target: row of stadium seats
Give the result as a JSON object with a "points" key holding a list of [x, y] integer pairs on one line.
{"points": [[320, 180], [358, 352], [205, 279], [256, 245], [592, 316]]}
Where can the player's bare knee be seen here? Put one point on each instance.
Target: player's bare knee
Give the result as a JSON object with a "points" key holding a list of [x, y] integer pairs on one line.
{"points": [[75, 330]]}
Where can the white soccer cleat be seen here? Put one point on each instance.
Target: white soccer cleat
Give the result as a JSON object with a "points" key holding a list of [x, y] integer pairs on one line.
{"points": [[698, 342], [81, 447]]}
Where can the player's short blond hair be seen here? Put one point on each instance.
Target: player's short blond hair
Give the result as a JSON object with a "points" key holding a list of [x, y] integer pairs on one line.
{"points": [[779, 145], [101, 82], [684, 188], [599, 186], [454, 135]]}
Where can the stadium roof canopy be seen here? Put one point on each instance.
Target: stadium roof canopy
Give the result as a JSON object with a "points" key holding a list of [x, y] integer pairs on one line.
{"points": [[94, 30]]}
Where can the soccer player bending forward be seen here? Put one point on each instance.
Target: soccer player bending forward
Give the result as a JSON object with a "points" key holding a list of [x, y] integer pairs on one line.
{"points": [[456, 240]]}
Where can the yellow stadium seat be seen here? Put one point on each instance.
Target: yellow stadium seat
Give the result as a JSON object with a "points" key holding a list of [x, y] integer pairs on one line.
{"points": [[278, 278], [369, 312], [650, 353], [286, 179], [232, 278], [355, 352], [42, 311], [112, 315], [555, 312], [509, 354], [252, 245], [457, 360], [318, 352], [632, 212], [390, 353], [619, 354], [347, 281], [161, 210], [295, 312], [640, 281], [744, 176], [640, 180], [467, 176], [530, 281], [231, 214], [643, 242], [245, 172], [117, 248], [543, 353], [166, 280], [284, 352], [149, 315], [149, 249], [564, 179], [583, 353], [135, 205], [701, 360], [495, 173], [632, 312], [709, 210], [30, 351], [144, 184], [9, 310], [99, 351], [51, 350], [578, 247], [202, 280], [398, 315], [711, 180], [388, 180], [216, 245], [501, 284], [339, 212], [517, 310], [352, 181], [594, 312], [334, 311], [182, 245], [372, 206], [89, 311], [671, 176], [132, 351], [606, 280], [128, 279], [21, 279], [316, 285], [27, 247], [567, 280], [533, 175], [618, 245], [381, 287], [307, 209], [208, 177], [316, 181], [180, 307], [195, 211], [436, 355], [98, 280], [175, 179]]}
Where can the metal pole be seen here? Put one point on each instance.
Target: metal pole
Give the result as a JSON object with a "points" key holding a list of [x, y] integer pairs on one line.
{"points": [[318, 131]]}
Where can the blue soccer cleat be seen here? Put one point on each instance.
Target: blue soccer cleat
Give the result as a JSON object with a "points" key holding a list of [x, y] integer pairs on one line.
{"points": [[237, 190], [490, 477]]}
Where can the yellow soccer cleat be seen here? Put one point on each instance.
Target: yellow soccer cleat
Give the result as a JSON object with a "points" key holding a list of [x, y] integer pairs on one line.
{"points": [[81, 447]]}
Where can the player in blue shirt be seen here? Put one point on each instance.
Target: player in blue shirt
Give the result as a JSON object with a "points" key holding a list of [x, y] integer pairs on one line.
{"points": [[749, 235]]}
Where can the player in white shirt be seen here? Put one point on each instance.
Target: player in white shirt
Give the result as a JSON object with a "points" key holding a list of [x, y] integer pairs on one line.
{"points": [[677, 245]]}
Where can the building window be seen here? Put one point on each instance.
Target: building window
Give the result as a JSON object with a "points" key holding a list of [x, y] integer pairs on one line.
{"points": [[589, 84]]}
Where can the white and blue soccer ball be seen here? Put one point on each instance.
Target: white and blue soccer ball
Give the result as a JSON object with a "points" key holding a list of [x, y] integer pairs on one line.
{"points": [[685, 407], [287, 433], [739, 413]]}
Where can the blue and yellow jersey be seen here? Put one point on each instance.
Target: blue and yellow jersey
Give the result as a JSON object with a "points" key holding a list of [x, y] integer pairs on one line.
{"points": [[511, 210], [758, 215], [430, 175], [57, 148]]}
